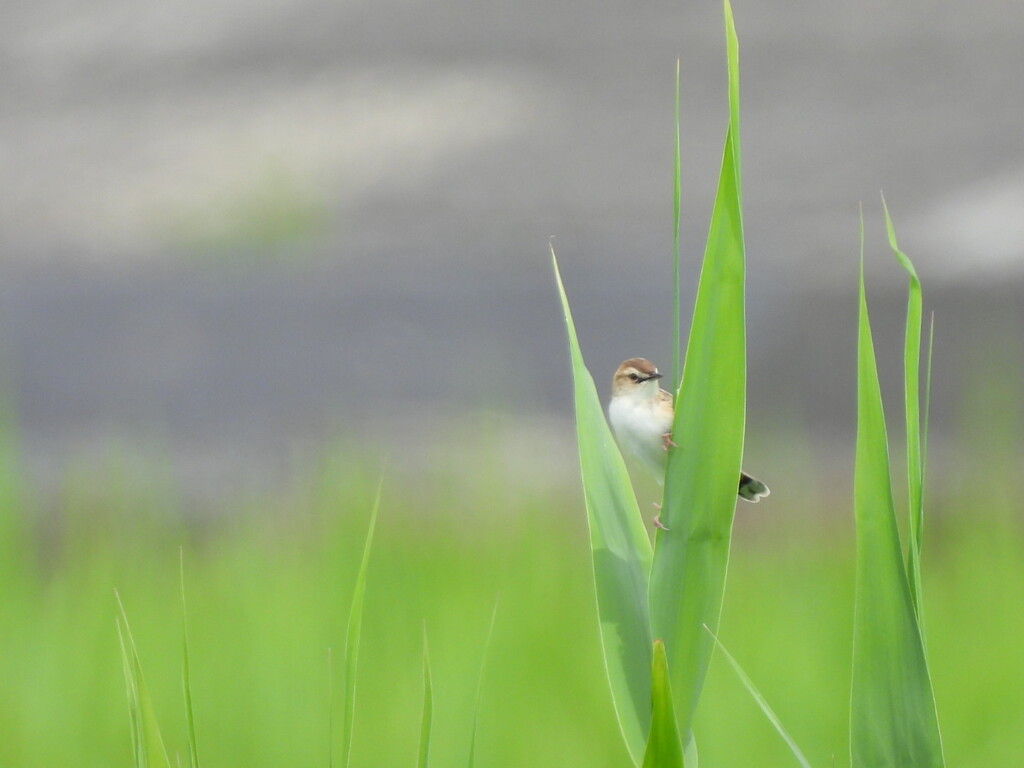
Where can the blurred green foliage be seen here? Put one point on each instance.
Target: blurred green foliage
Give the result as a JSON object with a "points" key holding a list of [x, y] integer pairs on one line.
{"points": [[269, 583]]}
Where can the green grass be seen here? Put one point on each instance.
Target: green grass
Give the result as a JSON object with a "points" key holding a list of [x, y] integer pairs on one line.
{"points": [[269, 592]]}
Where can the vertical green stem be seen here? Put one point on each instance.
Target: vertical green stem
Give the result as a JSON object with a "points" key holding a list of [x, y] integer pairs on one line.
{"points": [[676, 198]]}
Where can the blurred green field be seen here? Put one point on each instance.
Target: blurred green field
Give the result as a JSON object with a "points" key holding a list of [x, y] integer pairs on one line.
{"points": [[269, 581]]}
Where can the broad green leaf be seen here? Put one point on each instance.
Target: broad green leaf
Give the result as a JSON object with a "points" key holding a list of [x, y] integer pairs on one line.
{"points": [[147, 743], [762, 702], [691, 558], [663, 747], [893, 723], [428, 707], [352, 635], [911, 393], [621, 552], [480, 687], [186, 676]]}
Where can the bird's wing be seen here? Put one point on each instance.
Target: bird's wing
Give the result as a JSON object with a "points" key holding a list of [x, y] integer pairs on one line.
{"points": [[665, 407]]}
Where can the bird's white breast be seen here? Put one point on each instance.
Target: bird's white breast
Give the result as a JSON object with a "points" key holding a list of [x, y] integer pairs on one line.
{"points": [[639, 424]]}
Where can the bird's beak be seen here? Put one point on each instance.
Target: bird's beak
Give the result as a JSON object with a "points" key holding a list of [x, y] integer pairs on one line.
{"points": [[654, 375]]}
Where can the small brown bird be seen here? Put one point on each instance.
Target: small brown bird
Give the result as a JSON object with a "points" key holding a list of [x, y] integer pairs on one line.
{"points": [[641, 414]]}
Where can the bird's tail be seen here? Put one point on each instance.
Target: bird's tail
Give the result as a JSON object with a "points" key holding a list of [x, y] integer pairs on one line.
{"points": [[751, 488]]}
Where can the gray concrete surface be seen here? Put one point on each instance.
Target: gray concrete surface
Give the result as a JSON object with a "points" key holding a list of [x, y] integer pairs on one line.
{"points": [[232, 227]]}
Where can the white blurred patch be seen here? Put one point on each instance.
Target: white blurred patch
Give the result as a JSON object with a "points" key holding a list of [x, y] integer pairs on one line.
{"points": [[109, 178], [977, 230]]}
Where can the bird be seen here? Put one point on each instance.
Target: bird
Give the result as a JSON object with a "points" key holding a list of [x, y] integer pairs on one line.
{"points": [[641, 415]]}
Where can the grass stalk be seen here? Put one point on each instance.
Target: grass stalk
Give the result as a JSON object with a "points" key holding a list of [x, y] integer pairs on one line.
{"points": [[186, 676], [480, 687], [147, 741], [353, 633], [676, 205], [428, 707]]}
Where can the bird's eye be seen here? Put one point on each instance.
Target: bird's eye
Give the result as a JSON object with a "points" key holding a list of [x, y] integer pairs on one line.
{"points": [[634, 377]]}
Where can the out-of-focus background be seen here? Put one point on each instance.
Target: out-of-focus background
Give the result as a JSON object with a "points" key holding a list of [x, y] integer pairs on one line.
{"points": [[240, 240], [230, 228]]}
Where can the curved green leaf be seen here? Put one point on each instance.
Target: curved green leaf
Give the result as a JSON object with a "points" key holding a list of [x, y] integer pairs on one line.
{"points": [[621, 552]]}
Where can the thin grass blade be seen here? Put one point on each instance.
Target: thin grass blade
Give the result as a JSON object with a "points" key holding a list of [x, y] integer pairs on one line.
{"points": [[762, 702], [663, 747], [677, 172], [131, 689], [330, 708], [927, 400], [428, 707], [732, 54], [893, 722], [186, 676], [147, 740], [691, 558], [480, 687], [353, 633], [912, 407], [621, 552]]}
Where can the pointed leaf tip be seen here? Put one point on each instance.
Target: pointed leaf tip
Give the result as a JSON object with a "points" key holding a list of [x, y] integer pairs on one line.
{"points": [[664, 749]]}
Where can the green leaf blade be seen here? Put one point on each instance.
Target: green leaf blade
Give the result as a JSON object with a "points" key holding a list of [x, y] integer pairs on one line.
{"points": [[428, 708], [663, 747], [762, 702], [912, 409], [186, 675], [147, 741], [354, 632], [480, 687], [691, 558], [677, 171], [621, 552], [893, 722]]}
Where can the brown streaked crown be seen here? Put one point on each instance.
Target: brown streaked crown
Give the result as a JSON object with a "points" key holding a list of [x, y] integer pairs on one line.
{"points": [[634, 372]]}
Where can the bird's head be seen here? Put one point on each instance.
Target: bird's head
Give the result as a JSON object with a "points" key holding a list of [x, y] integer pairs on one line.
{"points": [[636, 377]]}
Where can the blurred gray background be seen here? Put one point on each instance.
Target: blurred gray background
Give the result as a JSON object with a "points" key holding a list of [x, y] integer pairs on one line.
{"points": [[232, 232]]}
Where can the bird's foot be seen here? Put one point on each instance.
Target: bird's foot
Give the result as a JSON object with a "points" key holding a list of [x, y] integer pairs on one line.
{"points": [[666, 441], [658, 524]]}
